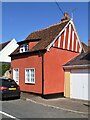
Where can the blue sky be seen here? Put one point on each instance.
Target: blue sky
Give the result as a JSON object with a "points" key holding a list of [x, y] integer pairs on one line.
{"points": [[19, 19]]}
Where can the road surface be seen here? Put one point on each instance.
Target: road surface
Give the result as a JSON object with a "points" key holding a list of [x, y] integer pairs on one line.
{"points": [[19, 108]]}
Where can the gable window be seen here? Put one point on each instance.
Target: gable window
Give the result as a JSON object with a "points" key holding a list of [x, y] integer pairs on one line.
{"points": [[23, 48], [29, 75]]}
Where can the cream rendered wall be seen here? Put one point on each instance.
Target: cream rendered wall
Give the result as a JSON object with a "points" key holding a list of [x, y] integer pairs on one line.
{"points": [[67, 84], [7, 50]]}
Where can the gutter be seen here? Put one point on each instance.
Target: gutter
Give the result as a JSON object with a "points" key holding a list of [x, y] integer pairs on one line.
{"points": [[76, 66], [27, 53]]}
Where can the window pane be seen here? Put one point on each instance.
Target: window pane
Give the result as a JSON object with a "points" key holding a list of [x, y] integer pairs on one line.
{"points": [[16, 74], [29, 76], [23, 48], [32, 79]]}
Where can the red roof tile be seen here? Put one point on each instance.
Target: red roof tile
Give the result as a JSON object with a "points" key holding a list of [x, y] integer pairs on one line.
{"points": [[81, 60], [2, 45], [85, 47], [46, 35]]}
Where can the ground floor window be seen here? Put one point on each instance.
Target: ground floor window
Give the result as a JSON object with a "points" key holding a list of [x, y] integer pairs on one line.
{"points": [[29, 75], [16, 74]]}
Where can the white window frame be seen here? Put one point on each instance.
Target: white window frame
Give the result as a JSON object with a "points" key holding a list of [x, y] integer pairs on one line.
{"points": [[29, 81], [16, 78], [22, 48]]}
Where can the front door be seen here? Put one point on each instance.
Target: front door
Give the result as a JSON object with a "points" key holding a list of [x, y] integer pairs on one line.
{"points": [[16, 75]]}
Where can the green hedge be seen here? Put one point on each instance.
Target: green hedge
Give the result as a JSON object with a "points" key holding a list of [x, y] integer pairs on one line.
{"points": [[3, 68]]}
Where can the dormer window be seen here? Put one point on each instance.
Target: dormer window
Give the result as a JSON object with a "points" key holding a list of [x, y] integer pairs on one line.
{"points": [[24, 45], [23, 48]]}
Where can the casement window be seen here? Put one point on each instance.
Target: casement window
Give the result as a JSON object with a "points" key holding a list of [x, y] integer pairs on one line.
{"points": [[16, 74], [23, 48], [30, 75]]}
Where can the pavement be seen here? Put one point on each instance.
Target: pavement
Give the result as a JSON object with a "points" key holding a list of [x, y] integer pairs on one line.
{"points": [[67, 104]]}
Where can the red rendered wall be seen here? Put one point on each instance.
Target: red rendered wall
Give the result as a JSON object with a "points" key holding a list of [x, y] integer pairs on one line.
{"points": [[53, 70], [29, 62], [32, 44]]}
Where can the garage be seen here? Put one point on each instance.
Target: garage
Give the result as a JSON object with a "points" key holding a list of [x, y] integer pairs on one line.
{"points": [[79, 84], [77, 73]]}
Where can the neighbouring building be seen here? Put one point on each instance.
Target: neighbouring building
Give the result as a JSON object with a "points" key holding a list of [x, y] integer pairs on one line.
{"points": [[6, 49], [77, 73], [37, 63]]}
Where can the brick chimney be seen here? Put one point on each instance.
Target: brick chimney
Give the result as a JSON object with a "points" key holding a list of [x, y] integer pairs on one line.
{"points": [[66, 16]]}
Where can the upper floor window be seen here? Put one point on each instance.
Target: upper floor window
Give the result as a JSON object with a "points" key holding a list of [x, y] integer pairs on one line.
{"points": [[23, 48]]}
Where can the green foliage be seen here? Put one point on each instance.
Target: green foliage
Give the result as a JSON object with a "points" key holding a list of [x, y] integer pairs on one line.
{"points": [[3, 68]]}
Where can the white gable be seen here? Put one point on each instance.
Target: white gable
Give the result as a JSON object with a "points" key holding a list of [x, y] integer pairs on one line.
{"points": [[67, 39], [7, 50]]}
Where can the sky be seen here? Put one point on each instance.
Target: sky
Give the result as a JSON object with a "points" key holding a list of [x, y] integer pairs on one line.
{"points": [[19, 19]]}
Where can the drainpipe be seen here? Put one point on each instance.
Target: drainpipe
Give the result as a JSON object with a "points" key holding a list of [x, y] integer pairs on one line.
{"points": [[42, 75]]}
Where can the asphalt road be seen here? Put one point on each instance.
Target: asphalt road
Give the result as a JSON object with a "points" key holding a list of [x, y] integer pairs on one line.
{"points": [[26, 109]]}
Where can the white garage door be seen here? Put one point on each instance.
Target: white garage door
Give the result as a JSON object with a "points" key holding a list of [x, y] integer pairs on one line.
{"points": [[79, 82]]}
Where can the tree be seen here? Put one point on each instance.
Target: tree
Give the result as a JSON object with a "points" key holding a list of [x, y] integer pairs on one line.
{"points": [[3, 68]]}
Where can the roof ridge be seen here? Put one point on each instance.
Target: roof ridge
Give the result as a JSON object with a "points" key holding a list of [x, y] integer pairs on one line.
{"points": [[52, 25], [2, 45], [5, 42]]}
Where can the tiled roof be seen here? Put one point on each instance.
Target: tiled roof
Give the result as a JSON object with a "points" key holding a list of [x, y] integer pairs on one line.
{"points": [[2, 45], [15, 52], [46, 35], [85, 47], [82, 59]]}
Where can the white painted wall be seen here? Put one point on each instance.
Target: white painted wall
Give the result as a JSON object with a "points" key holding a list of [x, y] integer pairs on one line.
{"points": [[7, 50], [79, 84]]}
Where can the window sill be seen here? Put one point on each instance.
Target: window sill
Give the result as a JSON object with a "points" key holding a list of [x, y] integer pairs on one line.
{"points": [[30, 83]]}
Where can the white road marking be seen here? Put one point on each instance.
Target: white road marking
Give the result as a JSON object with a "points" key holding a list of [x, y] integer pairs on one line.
{"points": [[7, 115]]}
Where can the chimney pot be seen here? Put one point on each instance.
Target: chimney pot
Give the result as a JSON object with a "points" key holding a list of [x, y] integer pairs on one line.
{"points": [[89, 42], [66, 16]]}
